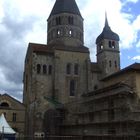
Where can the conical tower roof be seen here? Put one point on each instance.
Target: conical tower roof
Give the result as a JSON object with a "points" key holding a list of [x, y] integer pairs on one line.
{"points": [[65, 6], [107, 33]]}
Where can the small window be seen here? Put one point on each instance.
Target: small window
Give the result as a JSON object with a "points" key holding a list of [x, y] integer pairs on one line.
{"points": [[38, 68], [68, 68], [50, 70], [70, 32], [76, 69], [113, 44], [72, 88], [58, 21], [110, 44], [44, 69], [110, 64], [14, 117], [70, 20], [101, 47], [58, 33]]}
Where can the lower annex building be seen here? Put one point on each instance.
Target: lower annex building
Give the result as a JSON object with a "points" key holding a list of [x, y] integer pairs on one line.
{"points": [[14, 112], [65, 94]]}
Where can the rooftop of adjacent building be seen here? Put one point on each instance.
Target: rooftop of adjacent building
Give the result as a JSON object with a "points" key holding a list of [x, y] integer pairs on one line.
{"points": [[133, 67], [6, 97], [109, 88]]}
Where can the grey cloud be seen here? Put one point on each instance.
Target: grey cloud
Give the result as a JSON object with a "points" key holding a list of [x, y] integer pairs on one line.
{"points": [[12, 50]]}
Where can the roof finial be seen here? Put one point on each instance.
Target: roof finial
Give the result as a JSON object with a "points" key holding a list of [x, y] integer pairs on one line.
{"points": [[106, 21]]}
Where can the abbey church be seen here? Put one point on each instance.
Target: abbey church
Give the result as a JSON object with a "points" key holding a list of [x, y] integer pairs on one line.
{"points": [[66, 94]]}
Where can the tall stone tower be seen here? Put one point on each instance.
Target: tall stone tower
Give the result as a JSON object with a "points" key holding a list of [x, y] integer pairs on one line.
{"points": [[65, 24], [56, 73], [108, 57]]}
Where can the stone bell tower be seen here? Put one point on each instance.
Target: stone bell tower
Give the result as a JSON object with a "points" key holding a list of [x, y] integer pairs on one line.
{"points": [[65, 24], [108, 54]]}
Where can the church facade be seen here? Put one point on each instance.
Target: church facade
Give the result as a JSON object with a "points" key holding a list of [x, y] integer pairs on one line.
{"points": [[65, 94]]}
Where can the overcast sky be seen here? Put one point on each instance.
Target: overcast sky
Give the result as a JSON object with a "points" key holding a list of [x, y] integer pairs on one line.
{"points": [[24, 21]]}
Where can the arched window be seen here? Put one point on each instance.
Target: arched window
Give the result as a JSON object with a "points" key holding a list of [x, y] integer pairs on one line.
{"points": [[72, 88], [4, 104], [44, 69], [76, 69], [68, 68], [38, 68], [50, 70]]}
